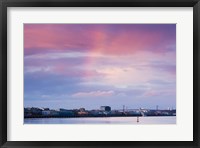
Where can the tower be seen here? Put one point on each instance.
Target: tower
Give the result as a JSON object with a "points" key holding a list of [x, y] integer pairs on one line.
{"points": [[156, 107]]}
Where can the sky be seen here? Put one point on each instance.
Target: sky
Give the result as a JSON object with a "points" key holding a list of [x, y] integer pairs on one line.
{"points": [[91, 65]]}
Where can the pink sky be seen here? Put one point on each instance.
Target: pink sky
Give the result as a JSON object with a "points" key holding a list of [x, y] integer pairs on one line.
{"points": [[100, 63]]}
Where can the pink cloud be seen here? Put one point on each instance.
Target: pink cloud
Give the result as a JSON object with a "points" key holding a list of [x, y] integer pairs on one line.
{"points": [[159, 92], [94, 39], [51, 37]]}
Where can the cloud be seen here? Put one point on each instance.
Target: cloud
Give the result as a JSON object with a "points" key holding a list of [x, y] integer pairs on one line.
{"points": [[62, 55], [108, 39], [159, 93], [94, 94], [36, 69], [96, 69]]}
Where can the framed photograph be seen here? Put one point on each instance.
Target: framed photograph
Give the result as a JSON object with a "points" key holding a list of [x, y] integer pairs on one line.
{"points": [[100, 73]]}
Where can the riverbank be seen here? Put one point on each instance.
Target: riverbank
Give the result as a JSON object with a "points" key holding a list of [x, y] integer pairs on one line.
{"points": [[97, 116]]}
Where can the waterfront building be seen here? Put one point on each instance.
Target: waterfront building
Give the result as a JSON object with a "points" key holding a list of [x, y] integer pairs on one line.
{"points": [[27, 112], [45, 108], [65, 112], [105, 108], [54, 113], [46, 112], [134, 113], [82, 109], [36, 111], [82, 113], [94, 112], [33, 111]]}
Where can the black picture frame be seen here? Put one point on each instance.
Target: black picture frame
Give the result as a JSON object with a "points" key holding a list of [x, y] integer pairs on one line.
{"points": [[4, 4]]}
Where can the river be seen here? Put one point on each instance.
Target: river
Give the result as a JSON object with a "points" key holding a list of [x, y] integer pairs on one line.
{"points": [[103, 120]]}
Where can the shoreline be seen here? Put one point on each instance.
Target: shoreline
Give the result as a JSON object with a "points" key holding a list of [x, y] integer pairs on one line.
{"points": [[93, 116]]}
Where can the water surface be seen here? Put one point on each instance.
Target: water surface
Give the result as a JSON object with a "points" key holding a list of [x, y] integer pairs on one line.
{"points": [[103, 120]]}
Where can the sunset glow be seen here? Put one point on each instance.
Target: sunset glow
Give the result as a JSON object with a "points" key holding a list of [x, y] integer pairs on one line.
{"points": [[90, 65]]}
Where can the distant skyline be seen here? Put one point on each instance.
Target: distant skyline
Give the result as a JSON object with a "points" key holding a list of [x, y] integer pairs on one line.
{"points": [[92, 65]]}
